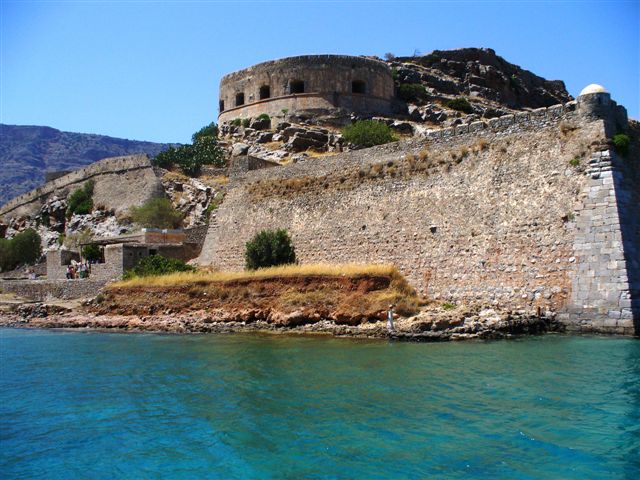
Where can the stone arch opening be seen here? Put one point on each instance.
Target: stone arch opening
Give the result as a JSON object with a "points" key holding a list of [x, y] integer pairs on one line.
{"points": [[296, 86], [358, 86], [265, 92], [221, 105], [239, 99]]}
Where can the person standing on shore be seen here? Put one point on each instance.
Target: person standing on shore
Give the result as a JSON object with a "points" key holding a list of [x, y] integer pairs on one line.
{"points": [[390, 318]]}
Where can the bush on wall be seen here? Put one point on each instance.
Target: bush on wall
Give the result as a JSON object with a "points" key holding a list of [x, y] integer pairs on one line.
{"points": [[80, 202], [269, 248]]}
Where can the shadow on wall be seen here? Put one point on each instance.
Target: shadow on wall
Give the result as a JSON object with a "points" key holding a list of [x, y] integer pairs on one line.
{"points": [[627, 190]]}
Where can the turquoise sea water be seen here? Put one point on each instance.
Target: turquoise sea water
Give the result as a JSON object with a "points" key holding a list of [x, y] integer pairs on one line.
{"points": [[96, 405]]}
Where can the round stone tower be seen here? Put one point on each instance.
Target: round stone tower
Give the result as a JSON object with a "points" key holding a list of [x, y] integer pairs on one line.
{"points": [[594, 102], [308, 85]]}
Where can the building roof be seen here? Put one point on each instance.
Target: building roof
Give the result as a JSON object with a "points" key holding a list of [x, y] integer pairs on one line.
{"points": [[593, 88]]}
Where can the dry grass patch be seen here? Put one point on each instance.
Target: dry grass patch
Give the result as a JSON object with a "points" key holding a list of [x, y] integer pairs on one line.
{"points": [[315, 154], [317, 270], [175, 177], [346, 293]]}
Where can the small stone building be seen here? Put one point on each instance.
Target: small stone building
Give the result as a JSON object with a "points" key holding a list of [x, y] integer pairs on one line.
{"points": [[120, 254], [315, 84]]}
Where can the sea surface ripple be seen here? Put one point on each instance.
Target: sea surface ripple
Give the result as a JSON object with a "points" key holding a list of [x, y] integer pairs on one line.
{"points": [[147, 406]]}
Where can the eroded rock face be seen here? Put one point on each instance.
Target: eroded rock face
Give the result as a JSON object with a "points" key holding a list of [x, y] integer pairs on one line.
{"points": [[480, 74], [191, 196]]}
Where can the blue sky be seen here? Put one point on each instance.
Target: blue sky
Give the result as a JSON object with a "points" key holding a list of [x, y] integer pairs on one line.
{"points": [[149, 70]]}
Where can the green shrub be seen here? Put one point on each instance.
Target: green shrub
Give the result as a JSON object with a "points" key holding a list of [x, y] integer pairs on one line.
{"points": [[575, 161], [412, 92], [448, 306], [621, 143], [155, 265], [269, 248], [91, 252], [264, 116], [236, 122], [246, 122], [367, 133], [80, 202], [461, 104], [157, 213], [24, 248]]}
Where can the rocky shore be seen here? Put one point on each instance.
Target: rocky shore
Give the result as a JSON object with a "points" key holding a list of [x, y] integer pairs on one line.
{"points": [[432, 323]]}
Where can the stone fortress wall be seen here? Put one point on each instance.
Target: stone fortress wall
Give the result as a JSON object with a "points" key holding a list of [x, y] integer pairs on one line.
{"points": [[312, 83], [488, 212], [123, 182]]}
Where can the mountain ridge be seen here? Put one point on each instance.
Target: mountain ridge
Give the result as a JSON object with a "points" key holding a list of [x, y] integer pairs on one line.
{"points": [[27, 152]]}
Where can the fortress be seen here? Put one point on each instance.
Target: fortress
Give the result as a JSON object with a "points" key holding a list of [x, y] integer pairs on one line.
{"points": [[307, 85], [535, 210]]}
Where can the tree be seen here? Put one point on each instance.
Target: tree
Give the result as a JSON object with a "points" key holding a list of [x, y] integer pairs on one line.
{"points": [[269, 248], [208, 131], [24, 248], [190, 158], [92, 252], [157, 213]]}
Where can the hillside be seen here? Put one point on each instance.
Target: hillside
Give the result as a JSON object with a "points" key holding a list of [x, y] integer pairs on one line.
{"points": [[493, 85], [27, 152]]}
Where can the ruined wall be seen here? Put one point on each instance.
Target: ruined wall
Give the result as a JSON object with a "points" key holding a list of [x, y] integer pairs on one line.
{"points": [[43, 290], [484, 212], [328, 84], [120, 183]]}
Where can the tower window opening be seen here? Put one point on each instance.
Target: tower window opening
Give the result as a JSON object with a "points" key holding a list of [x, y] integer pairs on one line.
{"points": [[239, 99], [358, 86], [221, 105], [265, 92], [296, 86]]}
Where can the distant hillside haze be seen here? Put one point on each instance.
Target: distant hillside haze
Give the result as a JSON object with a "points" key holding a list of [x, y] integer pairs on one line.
{"points": [[27, 152]]}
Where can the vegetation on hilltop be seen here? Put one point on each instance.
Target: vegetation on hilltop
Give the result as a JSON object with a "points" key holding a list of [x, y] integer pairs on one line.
{"points": [[191, 158]]}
